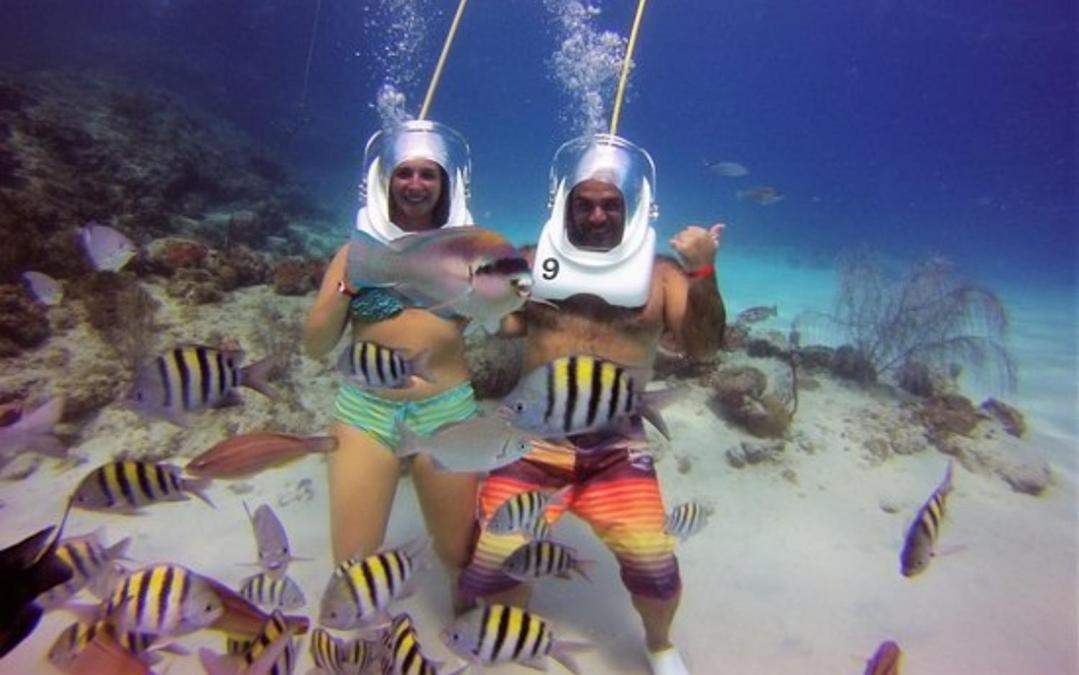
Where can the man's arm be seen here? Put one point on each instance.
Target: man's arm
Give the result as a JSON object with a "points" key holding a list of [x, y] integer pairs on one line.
{"points": [[693, 306]]}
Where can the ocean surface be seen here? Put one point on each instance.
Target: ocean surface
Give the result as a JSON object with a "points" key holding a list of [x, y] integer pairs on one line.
{"points": [[899, 130]]}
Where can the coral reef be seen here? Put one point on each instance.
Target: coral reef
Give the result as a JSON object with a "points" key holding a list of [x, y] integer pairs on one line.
{"points": [[741, 398], [23, 322], [1008, 416], [297, 276]]}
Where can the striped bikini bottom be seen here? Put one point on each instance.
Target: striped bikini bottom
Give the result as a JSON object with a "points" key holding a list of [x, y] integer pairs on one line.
{"points": [[378, 416]]}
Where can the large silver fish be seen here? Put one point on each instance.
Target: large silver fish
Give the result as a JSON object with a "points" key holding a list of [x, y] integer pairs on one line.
{"points": [[468, 271], [478, 445], [924, 529]]}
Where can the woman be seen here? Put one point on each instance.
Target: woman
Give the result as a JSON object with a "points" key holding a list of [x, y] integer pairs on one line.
{"points": [[417, 177]]}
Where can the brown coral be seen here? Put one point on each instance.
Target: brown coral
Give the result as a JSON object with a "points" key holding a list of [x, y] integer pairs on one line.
{"points": [[23, 322]]}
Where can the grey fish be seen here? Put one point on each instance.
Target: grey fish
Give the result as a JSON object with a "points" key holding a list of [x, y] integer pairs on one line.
{"points": [[108, 248], [270, 593], [190, 378], [34, 432], [761, 194], [477, 445], [727, 169], [130, 485], [274, 552], [371, 365], [45, 289], [686, 520], [925, 529], [541, 558], [755, 314]]}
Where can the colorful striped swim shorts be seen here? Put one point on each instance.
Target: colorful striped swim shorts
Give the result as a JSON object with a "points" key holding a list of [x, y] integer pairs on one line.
{"points": [[613, 490], [378, 416]]}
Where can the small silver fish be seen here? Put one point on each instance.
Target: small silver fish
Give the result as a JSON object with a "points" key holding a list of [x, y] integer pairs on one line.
{"points": [[269, 593], [274, 552], [371, 365], [727, 169], [686, 520], [130, 485], [477, 445], [500, 633], [34, 432], [361, 590], [520, 512], [925, 529], [755, 314], [582, 393], [107, 248], [47, 290], [761, 194], [190, 378], [542, 558]]}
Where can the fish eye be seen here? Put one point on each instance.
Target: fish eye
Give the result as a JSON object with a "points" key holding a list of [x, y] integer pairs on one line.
{"points": [[519, 406]]}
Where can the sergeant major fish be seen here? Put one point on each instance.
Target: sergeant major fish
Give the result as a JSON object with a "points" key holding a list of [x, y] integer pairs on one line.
{"points": [[273, 652], [470, 271], [360, 590], [372, 366], [73, 641], [500, 633], [577, 394], [191, 378], [918, 547], [129, 485], [161, 599], [270, 593], [520, 512], [542, 558], [340, 657], [92, 565], [686, 520], [402, 654]]}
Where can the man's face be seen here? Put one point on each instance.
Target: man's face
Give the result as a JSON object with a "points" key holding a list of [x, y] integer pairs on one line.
{"points": [[596, 216]]}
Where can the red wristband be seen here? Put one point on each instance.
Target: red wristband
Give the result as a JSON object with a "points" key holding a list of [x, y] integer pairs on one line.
{"points": [[701, 272]]}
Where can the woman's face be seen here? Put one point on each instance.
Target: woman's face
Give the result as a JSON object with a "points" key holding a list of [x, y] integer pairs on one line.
{"points": [[415, 187]]}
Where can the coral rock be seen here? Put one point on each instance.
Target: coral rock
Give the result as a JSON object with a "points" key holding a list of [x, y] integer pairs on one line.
{"points": [[949, 414], [194, 286], [23, 321], [754, 452], [1009, 417], [171, 254], [296, 276], [853, 364]]}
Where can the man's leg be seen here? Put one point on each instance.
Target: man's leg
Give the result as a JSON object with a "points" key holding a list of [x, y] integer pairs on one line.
{"points": [[656, 615]]}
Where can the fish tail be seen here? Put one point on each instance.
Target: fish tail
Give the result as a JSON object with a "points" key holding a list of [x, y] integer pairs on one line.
{"points": [[196, 486], [653, 401], [255, 376], [367, 259], [421, 365], [581, 567], [560, 651], [946, 484], [321, 444], [118, 551], [43, 418]]}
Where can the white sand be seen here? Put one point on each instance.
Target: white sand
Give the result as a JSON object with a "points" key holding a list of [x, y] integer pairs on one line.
{"points": [[796, 572]]}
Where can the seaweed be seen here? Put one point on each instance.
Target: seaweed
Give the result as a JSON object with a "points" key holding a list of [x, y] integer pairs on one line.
{"points": [[931, 315]]}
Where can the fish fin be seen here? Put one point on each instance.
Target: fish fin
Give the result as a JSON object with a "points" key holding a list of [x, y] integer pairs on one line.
{"points": [[196, 486], [43, 418], [457, 670], [559, 496], [950, 549], [84, 612], [255, 376], [581, 567], [117, 551], [450, 303], [560, 651], [218, 664], [653, 401], [421, 366], [321, 444], [537, 663]]}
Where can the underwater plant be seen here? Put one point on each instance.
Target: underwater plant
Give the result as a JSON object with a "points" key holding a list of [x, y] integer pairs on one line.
{"points": [[930, 315]]}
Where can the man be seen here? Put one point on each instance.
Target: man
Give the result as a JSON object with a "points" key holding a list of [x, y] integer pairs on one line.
{"points": [[610, 297]]}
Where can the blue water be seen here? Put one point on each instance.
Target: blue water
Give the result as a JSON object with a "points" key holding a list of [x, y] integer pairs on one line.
{"points": [[910, 127]]}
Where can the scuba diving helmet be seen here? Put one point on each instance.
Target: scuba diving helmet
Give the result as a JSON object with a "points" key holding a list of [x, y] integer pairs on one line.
{"points": [[413, 139], [619, 267]]}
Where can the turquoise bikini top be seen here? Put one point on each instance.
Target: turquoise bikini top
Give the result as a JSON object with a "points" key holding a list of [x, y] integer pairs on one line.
{"points": [[373, 304]]}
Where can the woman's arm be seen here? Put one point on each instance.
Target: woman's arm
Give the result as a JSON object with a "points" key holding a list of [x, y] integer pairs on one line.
{"points": [[327, 318]]}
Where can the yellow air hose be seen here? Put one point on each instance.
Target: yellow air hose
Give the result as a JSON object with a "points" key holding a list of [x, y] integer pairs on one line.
{"points": [[442, 60], [617, 112]]}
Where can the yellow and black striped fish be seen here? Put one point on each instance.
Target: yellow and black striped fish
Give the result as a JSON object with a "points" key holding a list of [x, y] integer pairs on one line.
{"points": [[686, 520], [361, 590], [269, 593], [582, 393], [238, 644], [73, 640], [275, 628], [190, 378], [542, 558], [369, 364], [924, 529], [91, 564], [341, 657], [501, 633], [402, 654], [162, 599], [128, 485], [524, 511]]}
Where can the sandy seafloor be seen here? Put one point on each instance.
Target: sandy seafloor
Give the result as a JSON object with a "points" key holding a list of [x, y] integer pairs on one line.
{"points": [[796, 572]]}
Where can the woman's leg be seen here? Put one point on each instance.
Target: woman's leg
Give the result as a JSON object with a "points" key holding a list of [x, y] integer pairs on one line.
{"points": [[448, 502], [362, 475]]}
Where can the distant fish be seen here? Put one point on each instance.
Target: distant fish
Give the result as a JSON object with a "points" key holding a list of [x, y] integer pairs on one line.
{"points": [[471, 271], [273, 548], [34, 432], [686, 520], [477, 445], [756, 314], [371, 365], [47, 290], [582, 393], [270, 593], [727, 169], [360, 591], [887, 660], [494, 634], [543, 558], [108, 249], [520, 512], [918, 547], [129, 485], [91, 564], [247, 454], [190, 378], [761, 194], [28, 569], [403, 654]]}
